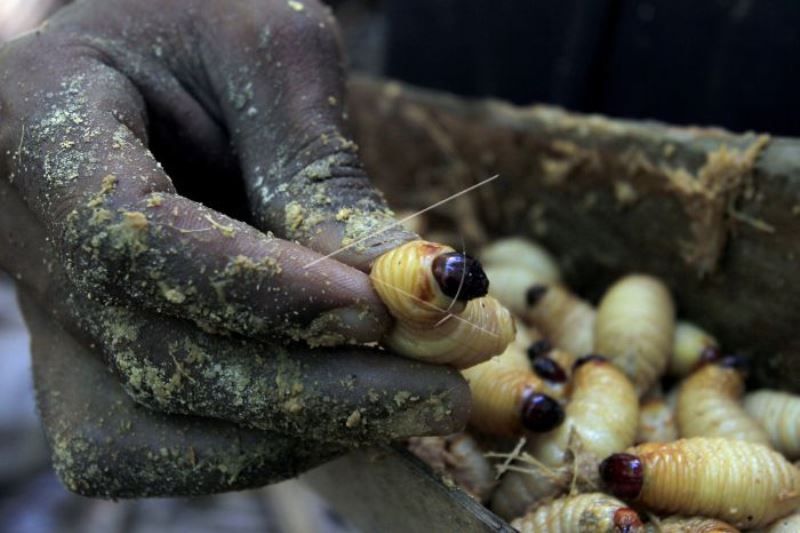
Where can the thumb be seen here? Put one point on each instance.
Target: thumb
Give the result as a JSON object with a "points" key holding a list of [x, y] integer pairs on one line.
{"points": [[304, 178]]}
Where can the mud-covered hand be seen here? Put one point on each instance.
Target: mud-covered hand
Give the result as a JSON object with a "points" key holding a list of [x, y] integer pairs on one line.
{"points": [[112, 115]]}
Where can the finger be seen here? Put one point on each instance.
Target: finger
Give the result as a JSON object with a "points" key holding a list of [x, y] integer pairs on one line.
{"points": [[21, 240], [305, 180], [104, 445], [83, 166], [352, 395]]}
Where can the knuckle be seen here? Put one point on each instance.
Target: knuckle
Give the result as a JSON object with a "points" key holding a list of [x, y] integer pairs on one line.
{"points": [[305, 22], [312, 25]]}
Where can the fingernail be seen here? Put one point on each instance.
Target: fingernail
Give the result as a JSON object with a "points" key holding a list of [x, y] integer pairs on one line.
{"points": [[434, 413], [328, 238]]}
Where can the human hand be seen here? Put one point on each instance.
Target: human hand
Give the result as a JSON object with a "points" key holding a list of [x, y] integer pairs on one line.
{"points": [[196, 312]]}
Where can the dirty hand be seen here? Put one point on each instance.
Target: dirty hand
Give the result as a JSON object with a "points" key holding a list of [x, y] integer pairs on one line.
{"points": [[112, 116]]}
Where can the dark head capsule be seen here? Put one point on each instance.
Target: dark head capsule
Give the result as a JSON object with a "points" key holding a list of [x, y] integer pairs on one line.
{"points": [[736, 362], [460, 276], [534, 294], [623, 474], [626, 520], [709, 354], [540, 412], [539, 348], [548, 369]]}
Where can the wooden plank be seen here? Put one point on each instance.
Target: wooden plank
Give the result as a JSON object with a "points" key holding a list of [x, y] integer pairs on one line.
{"points": [[715, 214]]}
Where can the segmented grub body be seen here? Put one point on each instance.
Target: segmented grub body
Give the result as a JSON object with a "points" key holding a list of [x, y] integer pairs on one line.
{"points": [[500, 389], [779, 414], [528, 485], [459, 457], [509, 284], [562, 317], [524, 338], [601, 416], [656, 422], [523, 254], [600, 419], [697, 524], [563, 359], [439, 319], [745, 484], [789, 524], [709, 406], [592, 512], [692, 346], [471, 470], [635, 328], [525, 278]]}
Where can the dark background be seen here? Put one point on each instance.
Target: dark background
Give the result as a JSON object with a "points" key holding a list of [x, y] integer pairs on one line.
{"points": [[733, 63]]}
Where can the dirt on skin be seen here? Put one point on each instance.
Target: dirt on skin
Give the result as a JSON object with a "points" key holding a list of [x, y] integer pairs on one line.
{"points": [[146, 454], [107, 235], [261, 385], [317, 203], [173, 367]]}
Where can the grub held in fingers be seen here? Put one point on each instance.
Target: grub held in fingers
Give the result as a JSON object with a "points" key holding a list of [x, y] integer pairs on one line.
{"points": [[460, 276]]}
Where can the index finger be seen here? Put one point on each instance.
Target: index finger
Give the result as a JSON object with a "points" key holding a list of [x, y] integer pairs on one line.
{"points": [[82, 165], [105, 445], [304, 177]]}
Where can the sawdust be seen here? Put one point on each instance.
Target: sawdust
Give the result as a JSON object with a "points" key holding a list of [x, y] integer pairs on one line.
{"points": [[708, 197]]}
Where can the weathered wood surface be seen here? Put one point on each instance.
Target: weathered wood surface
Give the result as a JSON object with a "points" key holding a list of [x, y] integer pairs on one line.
{"points": [[717, 215], [389, 490]]}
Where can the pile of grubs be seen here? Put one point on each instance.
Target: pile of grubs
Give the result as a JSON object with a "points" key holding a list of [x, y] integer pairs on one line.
{"points": [[571, 430]]}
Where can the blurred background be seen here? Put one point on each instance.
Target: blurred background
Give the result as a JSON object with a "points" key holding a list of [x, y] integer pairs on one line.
{"points": [[731, 63]]}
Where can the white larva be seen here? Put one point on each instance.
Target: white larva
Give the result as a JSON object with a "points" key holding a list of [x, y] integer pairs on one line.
{"points": [[691, 347], [602, 414], [592, 512], [458, 457], [430, 325], [635, 328], [524, 254], [779, 414], [709, 405]]}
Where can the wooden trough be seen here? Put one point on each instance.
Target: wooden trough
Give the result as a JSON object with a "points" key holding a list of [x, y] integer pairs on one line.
{"points": [[713, 213]]}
